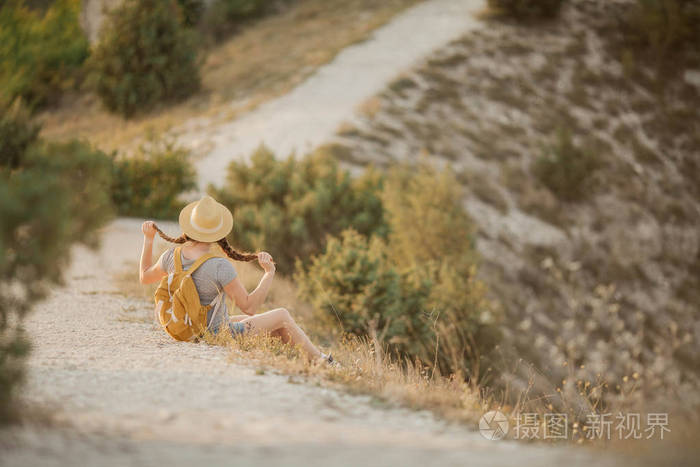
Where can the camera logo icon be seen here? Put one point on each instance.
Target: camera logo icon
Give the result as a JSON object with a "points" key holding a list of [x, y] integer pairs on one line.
{"points": [[493, 425]]}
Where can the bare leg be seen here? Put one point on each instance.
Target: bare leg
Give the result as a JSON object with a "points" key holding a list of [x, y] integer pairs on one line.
{"points": [[281, 321], [283, 335]]}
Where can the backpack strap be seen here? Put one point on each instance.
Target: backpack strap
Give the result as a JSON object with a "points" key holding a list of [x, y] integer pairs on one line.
{"points": [[178, 259], [199, 262], [195, 265]]}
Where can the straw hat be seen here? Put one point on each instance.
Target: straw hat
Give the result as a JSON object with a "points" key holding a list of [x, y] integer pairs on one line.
{"points": [[206, 220]]}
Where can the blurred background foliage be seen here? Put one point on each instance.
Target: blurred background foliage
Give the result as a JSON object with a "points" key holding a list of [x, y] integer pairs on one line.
{"points": [[224, 17], [663, 31], [149, 52], [149, 182], [567, 168], [192, 11], [51, 196], [41, 53], [526, 9], [145, 56], [289, 206]]}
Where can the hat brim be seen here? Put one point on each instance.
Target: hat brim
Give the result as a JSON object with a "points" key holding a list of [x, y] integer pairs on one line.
{"points": [[189, 230]]}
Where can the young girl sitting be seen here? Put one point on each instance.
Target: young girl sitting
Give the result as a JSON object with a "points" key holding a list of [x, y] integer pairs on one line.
{"points": [[204, 223]]}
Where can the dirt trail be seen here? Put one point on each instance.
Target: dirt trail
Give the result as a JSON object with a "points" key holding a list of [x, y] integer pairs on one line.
{"points": [[130, 395], [312, 112]]}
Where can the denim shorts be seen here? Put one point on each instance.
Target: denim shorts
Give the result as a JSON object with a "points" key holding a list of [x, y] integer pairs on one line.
{"points": [[216, 318], [237, 328]]}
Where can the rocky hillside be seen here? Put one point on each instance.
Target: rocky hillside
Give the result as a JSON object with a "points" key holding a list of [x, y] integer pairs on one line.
{"points": [[582, 171]]}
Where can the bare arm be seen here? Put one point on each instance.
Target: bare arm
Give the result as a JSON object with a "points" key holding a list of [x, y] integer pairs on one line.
{"points": [[149, 273], [250, 302]]}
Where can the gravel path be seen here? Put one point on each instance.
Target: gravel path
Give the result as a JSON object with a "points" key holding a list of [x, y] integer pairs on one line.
{"points": [[312, 112], [128, 395]]}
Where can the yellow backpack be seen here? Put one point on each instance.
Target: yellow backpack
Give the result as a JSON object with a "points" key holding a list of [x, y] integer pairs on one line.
{"points": [[177, 301]]}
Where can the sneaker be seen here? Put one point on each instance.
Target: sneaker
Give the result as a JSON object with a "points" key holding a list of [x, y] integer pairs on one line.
{"points": [[329, 360]]}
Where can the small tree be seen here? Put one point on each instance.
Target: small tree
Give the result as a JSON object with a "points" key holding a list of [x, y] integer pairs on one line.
{"points": [[527, 9], [17, 133], [192, 11], [426, 217], [665, 29], [566, 168], [41, 55], [51, 195], [149, 182], [224, 16], [145, 56]]}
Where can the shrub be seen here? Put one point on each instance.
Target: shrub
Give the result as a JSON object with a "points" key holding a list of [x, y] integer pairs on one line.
{"points": [[417, 292], [236, 10], [144, 56], [527, 9], [566, 168], [224, 16], [351, 282], [40, 54], [17, 133], [150, 182], [663, 27], [289, 207], [192, 11], [54, 197], [427, 221]]}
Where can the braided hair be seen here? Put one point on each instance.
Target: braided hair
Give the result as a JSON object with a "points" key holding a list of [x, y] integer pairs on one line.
{"points": [[223, 243]]}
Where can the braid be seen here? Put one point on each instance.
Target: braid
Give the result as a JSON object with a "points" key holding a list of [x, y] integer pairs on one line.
{"points": [[223, 243], [181, 239], [233, 254]]}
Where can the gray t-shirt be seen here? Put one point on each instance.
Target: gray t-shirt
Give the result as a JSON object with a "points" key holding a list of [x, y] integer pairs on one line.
{"points": [[209, 279]]}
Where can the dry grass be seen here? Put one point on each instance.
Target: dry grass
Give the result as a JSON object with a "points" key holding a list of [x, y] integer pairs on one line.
{"points": [[367, 370], [263, 61]]}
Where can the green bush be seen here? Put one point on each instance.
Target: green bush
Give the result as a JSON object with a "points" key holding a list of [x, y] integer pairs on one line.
{"points": [[41, 55], [236, 10], [566, 168], [144, 56], [527, 9], [664, 28], [52, 198], [192, 11], [288, 207], [17, 133], [427, 221], [149, 182], [353, 283], [417, 291], [224, 16]]}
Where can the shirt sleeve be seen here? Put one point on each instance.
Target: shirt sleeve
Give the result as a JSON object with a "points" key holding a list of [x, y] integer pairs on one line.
{"points": [[166, 260], [225, 272]]}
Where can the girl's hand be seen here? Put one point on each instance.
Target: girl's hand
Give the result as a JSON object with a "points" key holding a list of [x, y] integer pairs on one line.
{"points": [[149, 229], [265, 261]]}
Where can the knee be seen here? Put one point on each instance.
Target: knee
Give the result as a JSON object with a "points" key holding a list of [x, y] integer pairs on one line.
{"points": [[283, 315]]}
